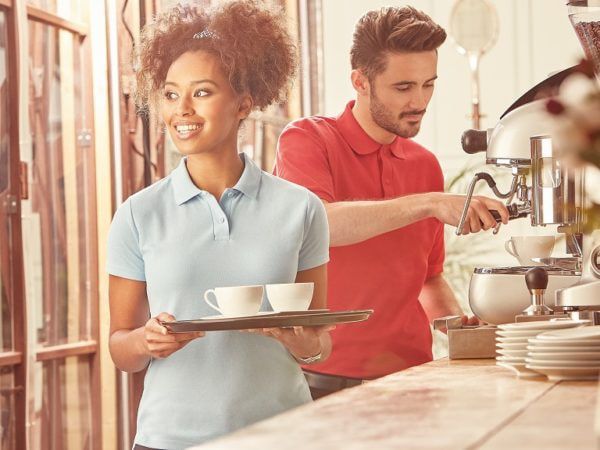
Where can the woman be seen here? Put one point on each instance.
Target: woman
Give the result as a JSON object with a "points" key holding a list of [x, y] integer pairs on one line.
{"points": [[216, 220]]}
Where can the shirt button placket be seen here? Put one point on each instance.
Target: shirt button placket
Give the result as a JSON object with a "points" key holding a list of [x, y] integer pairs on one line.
{"points": [[386, 172], [220, 224]]}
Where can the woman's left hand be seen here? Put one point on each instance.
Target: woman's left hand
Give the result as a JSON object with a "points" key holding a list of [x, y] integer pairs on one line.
{"points": [[301, 342]]}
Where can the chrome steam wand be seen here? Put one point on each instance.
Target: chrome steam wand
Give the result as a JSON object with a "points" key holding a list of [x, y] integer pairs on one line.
{"points": [[518, 185]]}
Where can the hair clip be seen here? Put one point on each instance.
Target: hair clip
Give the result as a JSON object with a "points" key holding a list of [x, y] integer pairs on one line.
{"points": [[205, 34]]}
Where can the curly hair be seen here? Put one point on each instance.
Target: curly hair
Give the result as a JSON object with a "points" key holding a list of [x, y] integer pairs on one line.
{"points": [[250, 39], [392, 29]]}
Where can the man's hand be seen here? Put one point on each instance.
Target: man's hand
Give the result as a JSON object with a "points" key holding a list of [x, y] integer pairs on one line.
{"points": [[470, 321], [448, 208]]}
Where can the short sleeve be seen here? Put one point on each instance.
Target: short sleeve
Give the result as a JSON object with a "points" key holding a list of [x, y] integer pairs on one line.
{"points": [[302, 159], [314, 251], [124, 258], [435, 263]]}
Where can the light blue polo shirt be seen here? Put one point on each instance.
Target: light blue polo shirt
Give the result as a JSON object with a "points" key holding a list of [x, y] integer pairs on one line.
{"points": [[182, 241]]}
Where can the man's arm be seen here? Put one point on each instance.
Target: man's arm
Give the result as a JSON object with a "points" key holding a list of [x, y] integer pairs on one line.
{"points": [[302, 159], [356, 221], [438, 300]]}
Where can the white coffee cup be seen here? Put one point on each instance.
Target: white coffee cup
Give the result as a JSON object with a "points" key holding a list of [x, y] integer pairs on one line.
{"points": [[290, 296], [524, 248], [236, 300]]}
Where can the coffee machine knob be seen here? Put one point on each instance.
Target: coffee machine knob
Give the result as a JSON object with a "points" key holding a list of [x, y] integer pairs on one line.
{"points": [[474, 141], [536, 278]]}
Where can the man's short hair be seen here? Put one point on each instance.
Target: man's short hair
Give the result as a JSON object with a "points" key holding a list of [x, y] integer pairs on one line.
{"points": [[392, 30]]}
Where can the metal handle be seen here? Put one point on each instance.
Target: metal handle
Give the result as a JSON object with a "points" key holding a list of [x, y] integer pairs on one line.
{"points": [[492, 184], [536, 279], [474, 141]]}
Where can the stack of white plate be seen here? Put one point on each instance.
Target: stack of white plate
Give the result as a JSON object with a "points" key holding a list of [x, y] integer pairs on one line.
{"points": [[512, 340], [572, 354]]}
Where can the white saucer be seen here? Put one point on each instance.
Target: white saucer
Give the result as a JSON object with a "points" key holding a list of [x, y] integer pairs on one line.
{"points": [[566, 356], [583, 333], [520, 369], [562, 363], [512, 340], [537, 342], [566, 373], [225, 316], [562, 349], [512, 353], [543, 324], [524, 333], [511, 345]]}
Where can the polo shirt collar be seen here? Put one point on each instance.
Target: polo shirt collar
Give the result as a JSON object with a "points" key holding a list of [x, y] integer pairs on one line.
{"points": [[358, 139], [184, 188], [249, 182]]}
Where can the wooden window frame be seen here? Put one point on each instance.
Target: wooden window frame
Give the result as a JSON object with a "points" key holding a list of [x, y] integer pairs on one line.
{"points": [[16, 358], [54, 20], [11, 358], [64, 351]]}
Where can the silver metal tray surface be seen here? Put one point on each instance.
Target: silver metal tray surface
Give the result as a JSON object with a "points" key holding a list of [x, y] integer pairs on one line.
{"points": [[287, 319]]}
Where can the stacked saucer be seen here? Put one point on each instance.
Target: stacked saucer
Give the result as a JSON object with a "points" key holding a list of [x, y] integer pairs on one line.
{"points": [[512, 340], [570, 354]]}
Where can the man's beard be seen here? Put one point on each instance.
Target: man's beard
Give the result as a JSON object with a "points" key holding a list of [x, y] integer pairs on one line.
{"points": [[385, 119]]}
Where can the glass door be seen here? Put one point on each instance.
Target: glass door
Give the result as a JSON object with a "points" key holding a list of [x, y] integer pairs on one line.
{"points": [[59, 248], [49, 368]]}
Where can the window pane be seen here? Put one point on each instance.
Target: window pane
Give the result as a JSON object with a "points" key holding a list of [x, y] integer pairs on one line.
{"points": [[7, 408], [47, 5], [61, 417], [58, 218], [5, 231]]}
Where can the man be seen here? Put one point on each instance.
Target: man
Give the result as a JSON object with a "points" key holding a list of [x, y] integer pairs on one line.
{"points": [[384, 201]]}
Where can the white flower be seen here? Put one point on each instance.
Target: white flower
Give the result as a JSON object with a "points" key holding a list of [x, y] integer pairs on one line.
{"points": [[575, 89]]}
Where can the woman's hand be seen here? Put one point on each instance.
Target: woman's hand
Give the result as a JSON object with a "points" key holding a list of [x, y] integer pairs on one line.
{"points": [[159, 343], [301, 342]]}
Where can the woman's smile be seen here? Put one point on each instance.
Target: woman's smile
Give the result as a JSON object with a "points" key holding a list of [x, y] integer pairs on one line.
{"points": [[187, 130]]}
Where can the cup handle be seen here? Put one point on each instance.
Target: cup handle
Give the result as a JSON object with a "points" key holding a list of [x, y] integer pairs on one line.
{"points": [[509, 246], [206, 299]]}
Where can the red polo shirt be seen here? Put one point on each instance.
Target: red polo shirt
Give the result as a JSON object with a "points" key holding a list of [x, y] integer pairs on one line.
{"points": [[338, 161]]}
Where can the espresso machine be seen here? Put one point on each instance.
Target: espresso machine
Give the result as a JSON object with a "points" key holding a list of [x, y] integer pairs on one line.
{"points": [[547, 192], [542, 189]]}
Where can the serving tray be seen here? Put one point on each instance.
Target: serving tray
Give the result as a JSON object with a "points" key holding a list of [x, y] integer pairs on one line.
{"points": [[287, 319]]}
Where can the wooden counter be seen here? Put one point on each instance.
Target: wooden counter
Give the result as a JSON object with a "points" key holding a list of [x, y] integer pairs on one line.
{"points": [[443, 404]]}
